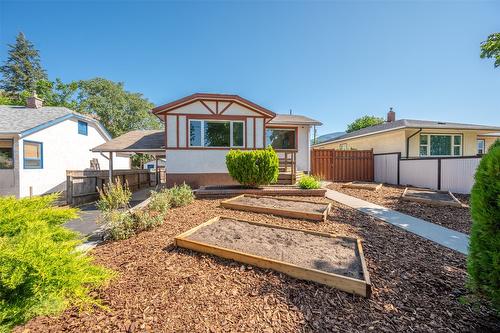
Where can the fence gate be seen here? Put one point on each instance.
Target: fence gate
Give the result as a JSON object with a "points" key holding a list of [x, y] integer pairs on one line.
{"points": [[342, 165]]}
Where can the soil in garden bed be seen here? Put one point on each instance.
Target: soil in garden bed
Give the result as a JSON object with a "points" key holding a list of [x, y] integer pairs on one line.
{"points": [[267, 202], [333, 255], [429, 195], [456, 218]]}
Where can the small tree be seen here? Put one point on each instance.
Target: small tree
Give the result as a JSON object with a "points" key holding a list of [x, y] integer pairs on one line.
{"points": [[254, 167], [484, 248], [490, 48], [365, 121], [22, 69]]}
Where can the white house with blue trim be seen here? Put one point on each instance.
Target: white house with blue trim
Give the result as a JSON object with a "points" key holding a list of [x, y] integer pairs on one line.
{"points": [[38, 144]]}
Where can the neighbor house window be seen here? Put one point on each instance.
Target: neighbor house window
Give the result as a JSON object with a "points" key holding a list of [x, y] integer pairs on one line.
{"points": [[343, 146], [480, 146], [440, 145], [279, 138], [209, 133], [33, 155], [82, 128], [6, 154]]}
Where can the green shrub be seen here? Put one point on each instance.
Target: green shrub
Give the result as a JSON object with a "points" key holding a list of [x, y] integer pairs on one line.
{"points": [[181, 195], [309, 182], [147, 219], [253, 167], [114, 196], [484, 247], [118, 224], [160, 201], [41, 273]]}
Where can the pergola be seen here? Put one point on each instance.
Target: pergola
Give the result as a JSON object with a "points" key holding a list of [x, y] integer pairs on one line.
{"points": [[149, 142]]}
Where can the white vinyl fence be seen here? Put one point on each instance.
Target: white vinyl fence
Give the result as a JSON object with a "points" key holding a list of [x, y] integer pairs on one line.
{"points": [[455, 174]]}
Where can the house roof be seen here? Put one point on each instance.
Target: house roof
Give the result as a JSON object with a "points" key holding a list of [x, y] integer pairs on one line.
{"points": [[409, 123], [23, 120], [285, 119], [215, 97], [139, 141]]}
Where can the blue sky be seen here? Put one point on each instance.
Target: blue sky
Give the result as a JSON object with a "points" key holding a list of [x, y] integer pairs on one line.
{"points": [[333, 61]]}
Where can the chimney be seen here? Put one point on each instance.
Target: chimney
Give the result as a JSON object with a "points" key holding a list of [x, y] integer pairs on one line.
{"points": [[33, 102], [391, 116]]}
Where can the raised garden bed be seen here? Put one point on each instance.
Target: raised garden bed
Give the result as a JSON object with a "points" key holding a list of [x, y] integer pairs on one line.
{"points": [[320, 257], [363, 185], [431, 197], [301, 209], [224, 191]]}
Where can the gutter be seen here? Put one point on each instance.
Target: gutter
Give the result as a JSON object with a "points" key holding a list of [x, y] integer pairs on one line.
{"points": [[408, 142]]}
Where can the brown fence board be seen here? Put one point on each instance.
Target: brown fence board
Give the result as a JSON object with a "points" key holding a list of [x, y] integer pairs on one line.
{"points": [[342, 165]]}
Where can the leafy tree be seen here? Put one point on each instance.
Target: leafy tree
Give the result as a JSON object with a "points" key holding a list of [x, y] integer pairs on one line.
{"points": [[483, 263], [7, 99], [490, 48], [365, 121], [119, 110], [22, 69], [139, 159]]}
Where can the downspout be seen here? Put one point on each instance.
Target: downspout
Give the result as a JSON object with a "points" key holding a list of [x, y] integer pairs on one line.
{"points": [[408, 142]]}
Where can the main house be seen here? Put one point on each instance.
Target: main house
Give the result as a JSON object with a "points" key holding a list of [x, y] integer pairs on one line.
{"points": [[201, 129], [418, 138], [38, 144]]}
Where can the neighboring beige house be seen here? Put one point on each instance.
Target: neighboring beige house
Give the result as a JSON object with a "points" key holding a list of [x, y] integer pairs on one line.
{"points": [[418, 138]]}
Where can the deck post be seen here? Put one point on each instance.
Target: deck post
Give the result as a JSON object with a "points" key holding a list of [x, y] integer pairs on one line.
{"points": [[110, 171]]}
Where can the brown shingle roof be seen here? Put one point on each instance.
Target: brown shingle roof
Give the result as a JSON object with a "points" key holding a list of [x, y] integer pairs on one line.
{"points": [[135, 141]]}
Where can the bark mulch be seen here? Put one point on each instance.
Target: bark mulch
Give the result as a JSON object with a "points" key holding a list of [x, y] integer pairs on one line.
{"points": [[456, 218], [417, 285]]}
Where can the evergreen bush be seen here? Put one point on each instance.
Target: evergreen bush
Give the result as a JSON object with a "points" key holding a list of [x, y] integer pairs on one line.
{"points": [[484, 247], [253, 167], [41, 272], [309, 182]]}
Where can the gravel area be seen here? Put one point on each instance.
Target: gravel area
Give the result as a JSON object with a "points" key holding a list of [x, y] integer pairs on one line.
{"points": [[332, 255], [456, 218], [417, 285]]}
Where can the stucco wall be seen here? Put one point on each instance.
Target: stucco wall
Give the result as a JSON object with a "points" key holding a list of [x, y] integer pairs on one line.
{"points": [[63, 149], [388, 142]]}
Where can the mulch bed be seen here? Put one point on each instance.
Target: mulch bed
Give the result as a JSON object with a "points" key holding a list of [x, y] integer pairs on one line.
{"points": [[416, 284], [456, 218]]}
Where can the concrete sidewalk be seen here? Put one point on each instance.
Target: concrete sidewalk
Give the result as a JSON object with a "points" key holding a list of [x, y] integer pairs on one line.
{"points": [[450, 238]]}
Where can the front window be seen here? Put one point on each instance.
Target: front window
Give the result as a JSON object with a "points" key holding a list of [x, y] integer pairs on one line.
{"points": [[208, 133], [480, 146], [33, 155], [280, 138], [6, 154], [440, 145]]}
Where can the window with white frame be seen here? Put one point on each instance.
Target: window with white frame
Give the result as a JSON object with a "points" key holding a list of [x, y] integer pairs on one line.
{"points": [[216, 133], [480, 146], [440, 145], [343, 146]]}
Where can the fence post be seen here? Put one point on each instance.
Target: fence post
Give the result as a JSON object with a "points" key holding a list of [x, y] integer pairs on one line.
{"points": [[69, 190], [439, 174], [399, 168]]}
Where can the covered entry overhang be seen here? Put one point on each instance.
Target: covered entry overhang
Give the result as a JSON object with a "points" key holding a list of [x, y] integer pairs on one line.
{"points": [[149, 142]]}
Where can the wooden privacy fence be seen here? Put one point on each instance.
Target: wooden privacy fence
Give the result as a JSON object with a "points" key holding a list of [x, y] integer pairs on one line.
{"points": [[81, 185], [342, 165]]}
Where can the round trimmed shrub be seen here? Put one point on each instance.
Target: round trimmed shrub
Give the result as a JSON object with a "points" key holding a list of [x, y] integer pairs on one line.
{"points": [[484, 249], [253, 167]]}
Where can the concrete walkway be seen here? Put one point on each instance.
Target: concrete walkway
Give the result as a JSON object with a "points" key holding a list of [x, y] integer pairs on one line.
{"points": [[450, 238]]}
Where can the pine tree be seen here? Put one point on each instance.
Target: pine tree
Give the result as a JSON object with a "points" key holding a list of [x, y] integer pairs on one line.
{"points": [[22, 69]]}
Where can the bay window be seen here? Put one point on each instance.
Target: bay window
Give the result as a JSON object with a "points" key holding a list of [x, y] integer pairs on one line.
{"points": [[216, 133], [6, 154], [281, 138], [440, 145]]}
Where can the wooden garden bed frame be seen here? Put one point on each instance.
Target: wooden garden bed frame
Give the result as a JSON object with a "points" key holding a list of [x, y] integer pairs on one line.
{"points": [[362, 185], [298, 214], [455, 203], [344, 283], [210, 192]]}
